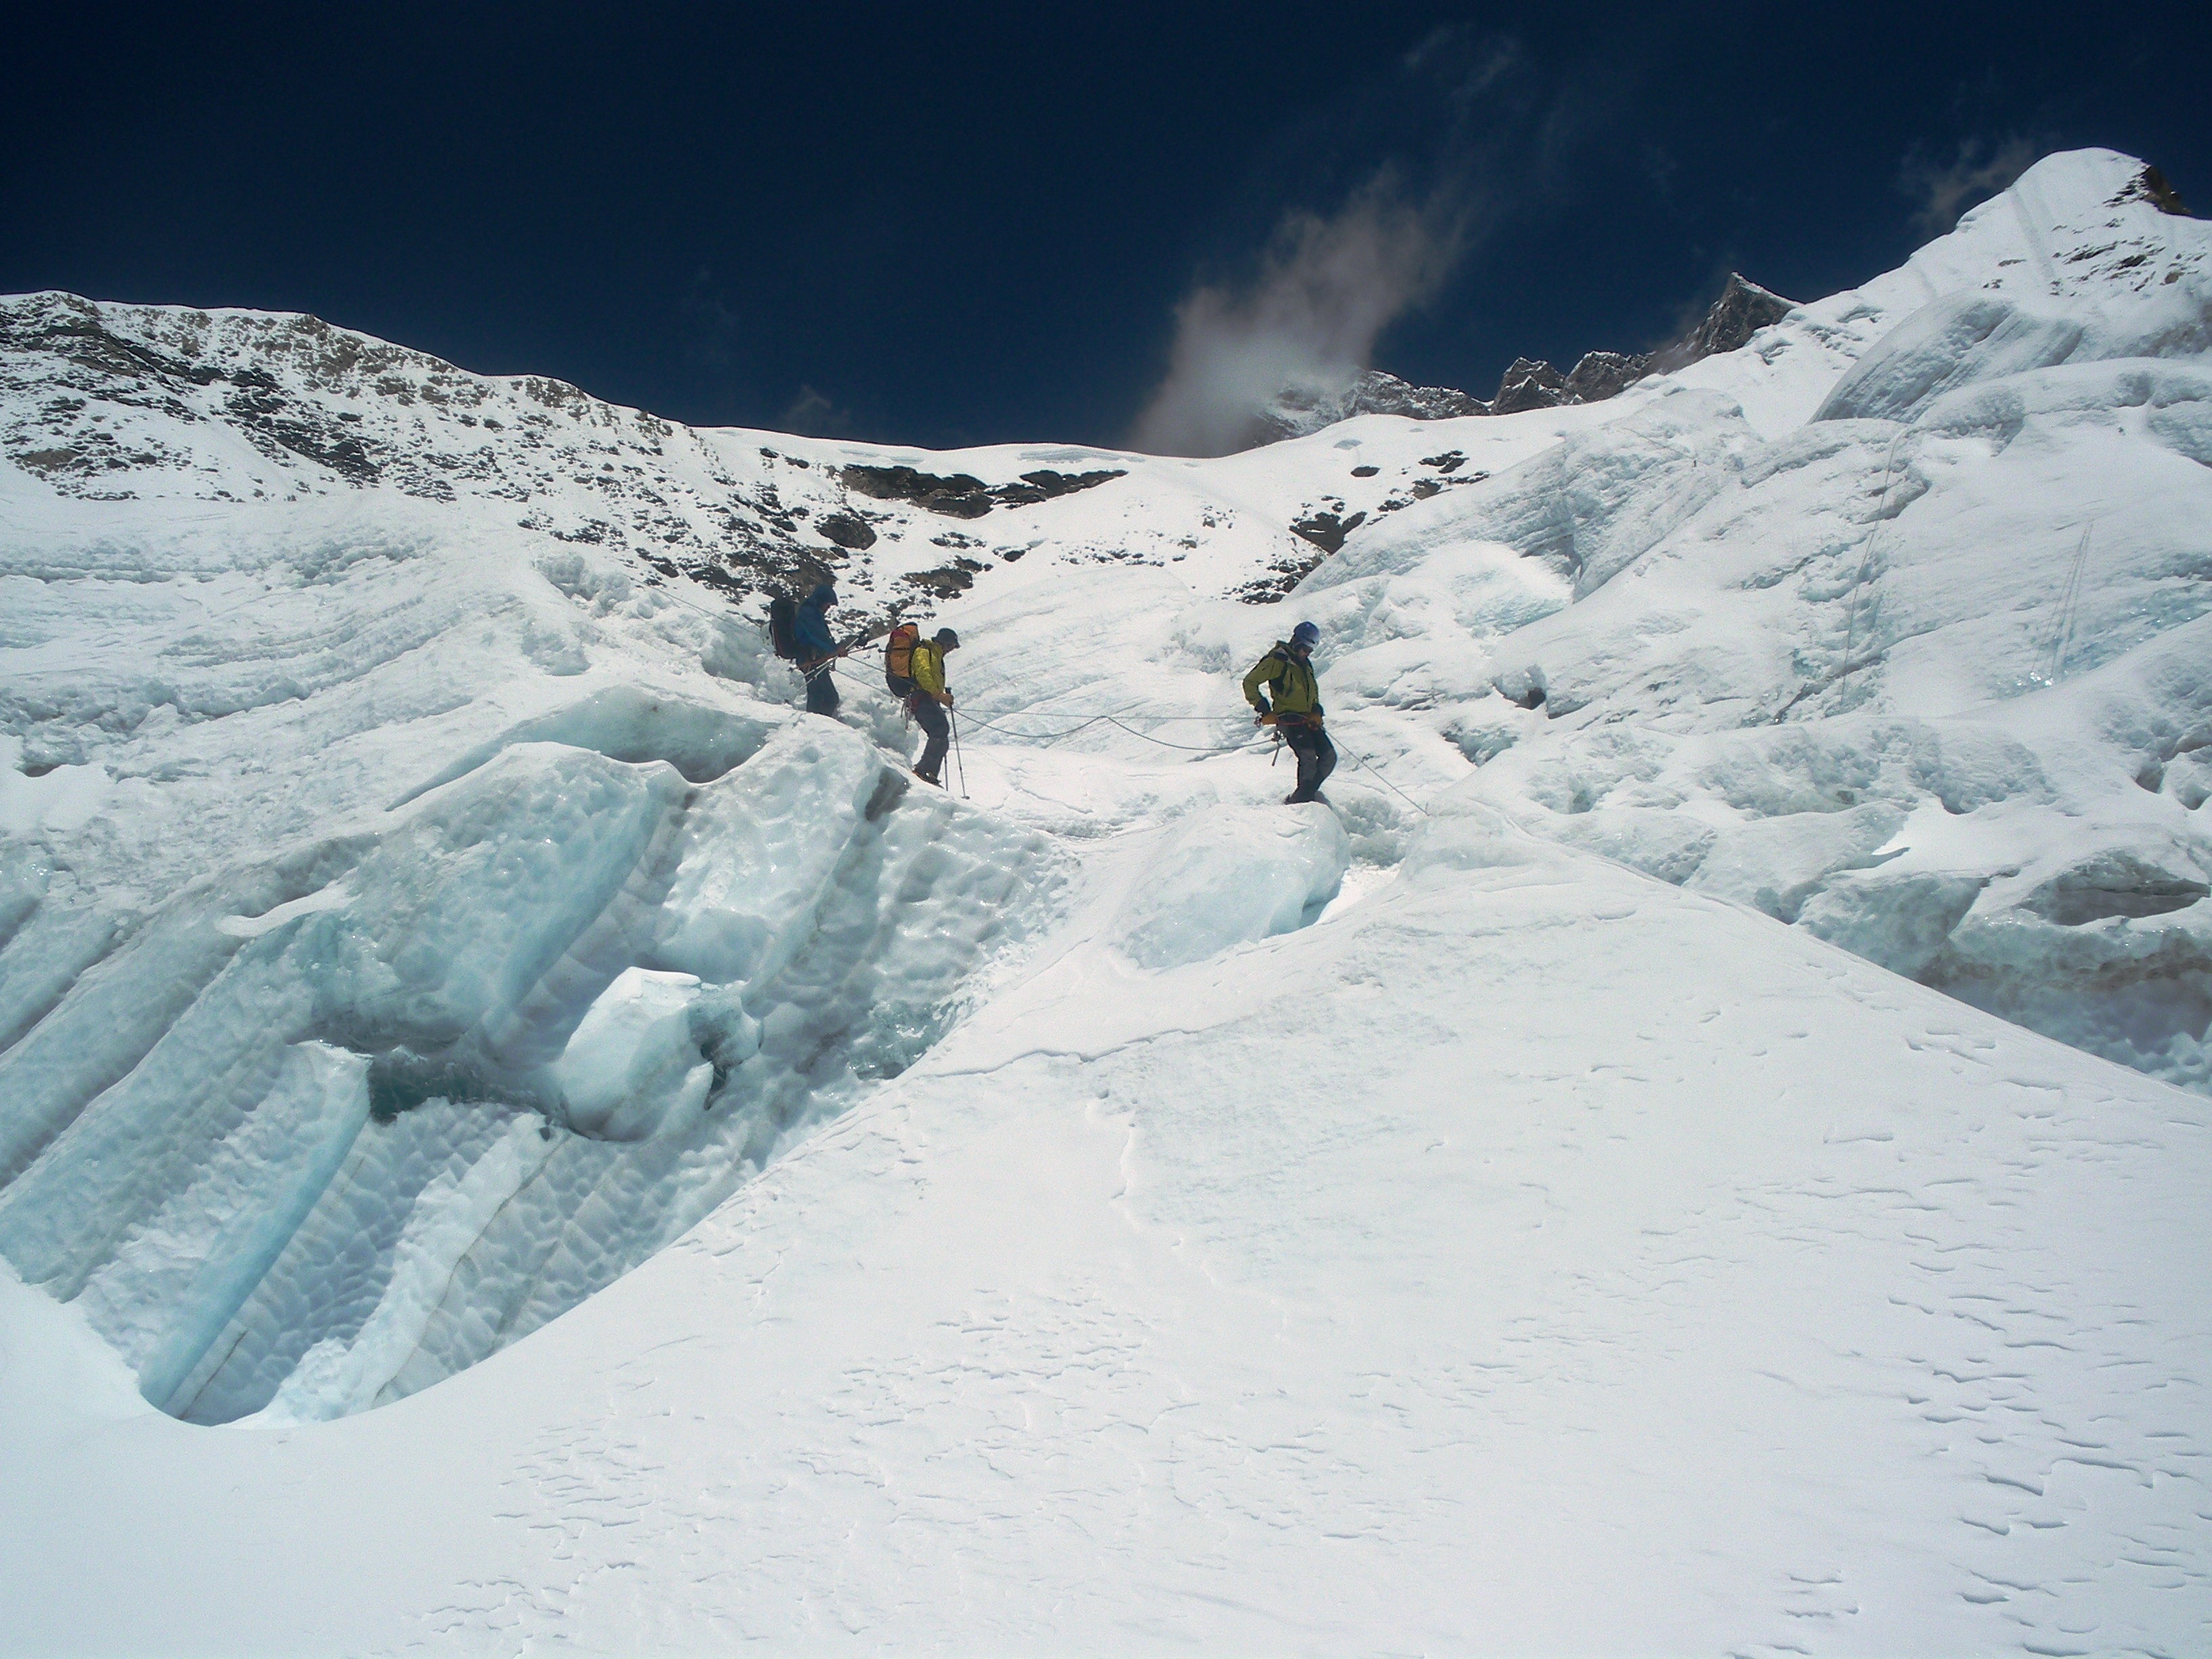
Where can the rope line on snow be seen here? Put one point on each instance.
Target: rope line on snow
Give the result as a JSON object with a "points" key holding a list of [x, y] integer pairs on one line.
{"points": [[1044, 741], [1874, 537], [2070, 606], [1363, 760], [1083, 718], [1084, 722], [1086, 716]]}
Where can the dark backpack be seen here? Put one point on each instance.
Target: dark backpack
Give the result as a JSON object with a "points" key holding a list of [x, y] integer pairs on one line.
{"points": [[782, 612], [898, 659]]}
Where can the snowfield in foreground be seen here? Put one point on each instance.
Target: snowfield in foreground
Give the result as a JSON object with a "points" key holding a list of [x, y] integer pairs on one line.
{"points": [[512, 1137]]}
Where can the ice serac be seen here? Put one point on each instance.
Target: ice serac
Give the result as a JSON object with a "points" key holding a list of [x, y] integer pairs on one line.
{"points": [[504, 974], [1902, 644]]}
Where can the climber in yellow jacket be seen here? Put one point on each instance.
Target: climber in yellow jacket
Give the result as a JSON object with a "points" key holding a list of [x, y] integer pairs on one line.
{"points": [[1295, 712], [929, 700]]}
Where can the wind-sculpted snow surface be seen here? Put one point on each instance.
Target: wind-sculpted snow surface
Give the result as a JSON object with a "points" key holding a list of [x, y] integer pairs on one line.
{"points": [[1117, 1209]]}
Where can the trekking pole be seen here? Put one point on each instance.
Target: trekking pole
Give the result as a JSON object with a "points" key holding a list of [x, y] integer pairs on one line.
{"points": [[959, 761]]}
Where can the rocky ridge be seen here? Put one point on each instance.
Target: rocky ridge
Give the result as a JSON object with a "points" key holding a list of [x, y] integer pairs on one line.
{"points": [[108, 403], [1742, 309]]}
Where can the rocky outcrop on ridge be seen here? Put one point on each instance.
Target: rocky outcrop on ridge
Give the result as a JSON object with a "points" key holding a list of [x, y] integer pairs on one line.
{"points": [[1743, 308]]}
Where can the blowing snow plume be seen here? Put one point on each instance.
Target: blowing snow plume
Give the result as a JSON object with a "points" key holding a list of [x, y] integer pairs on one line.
{"points": [[1326, 290]]}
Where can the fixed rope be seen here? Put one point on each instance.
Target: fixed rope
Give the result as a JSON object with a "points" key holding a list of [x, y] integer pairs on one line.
{"points": [[2069, 605], [1873, 538], [1363, 760], [1084, 722]]}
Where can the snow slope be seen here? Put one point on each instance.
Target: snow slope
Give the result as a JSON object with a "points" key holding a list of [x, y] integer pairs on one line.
{"points": [[1113, 1212], [1644, 1276]]}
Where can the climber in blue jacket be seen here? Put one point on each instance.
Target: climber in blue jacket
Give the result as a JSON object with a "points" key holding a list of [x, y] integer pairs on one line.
{"points": [[817, 649]]}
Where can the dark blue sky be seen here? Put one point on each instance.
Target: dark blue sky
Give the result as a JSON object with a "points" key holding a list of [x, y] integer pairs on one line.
{"points": [[975, 223]]}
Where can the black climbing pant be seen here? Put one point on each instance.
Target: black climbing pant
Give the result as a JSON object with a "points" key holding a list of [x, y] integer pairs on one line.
{"points": [[821, 685], [1316, 757], [929, 714]]}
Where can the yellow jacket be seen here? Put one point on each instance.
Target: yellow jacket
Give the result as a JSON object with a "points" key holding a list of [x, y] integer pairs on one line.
{"points": [[928, 670], [1297, 691]]}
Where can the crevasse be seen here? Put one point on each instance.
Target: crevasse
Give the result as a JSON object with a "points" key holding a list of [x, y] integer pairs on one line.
{"points": [[389, 1105]]}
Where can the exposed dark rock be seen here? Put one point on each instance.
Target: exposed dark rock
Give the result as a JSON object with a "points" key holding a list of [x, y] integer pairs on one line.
{"points": [[1377, 394], [1296, 410], [1450, 461], [1044, 486], [2150, 186], [961, 495], [848, 530], [1326, 531], [1529, 384], [259, 407], [947, 580], [1365, 472], [1282, 576], [1601, 374], [1741, 310], [74, 330], [327, 409]]}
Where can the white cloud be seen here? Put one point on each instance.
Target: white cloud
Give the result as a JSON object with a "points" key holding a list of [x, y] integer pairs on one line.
{"points": [[1327, 287], [1978, 172]]}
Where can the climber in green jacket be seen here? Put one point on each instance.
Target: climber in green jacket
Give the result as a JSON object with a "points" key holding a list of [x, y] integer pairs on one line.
{"points": [[1295, 712]]}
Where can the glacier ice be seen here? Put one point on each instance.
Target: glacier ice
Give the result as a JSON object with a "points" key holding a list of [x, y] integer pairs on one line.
{"points": [[1899, 629], [634, 1066], [361, 1135], [1230, 877]]}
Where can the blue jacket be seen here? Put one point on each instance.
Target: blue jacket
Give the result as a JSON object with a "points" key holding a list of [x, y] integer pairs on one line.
{"points": [[809, 628]]}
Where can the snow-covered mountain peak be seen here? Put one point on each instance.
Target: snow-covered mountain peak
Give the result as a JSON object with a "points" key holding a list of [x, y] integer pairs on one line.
{"points": [[2084, 223]]}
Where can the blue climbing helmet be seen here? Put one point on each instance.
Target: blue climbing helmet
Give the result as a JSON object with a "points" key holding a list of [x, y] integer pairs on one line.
{"points": [[1307, 635]]}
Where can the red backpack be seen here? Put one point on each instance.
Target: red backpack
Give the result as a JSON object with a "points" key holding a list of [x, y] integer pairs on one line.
{"points": [[898, 659]]}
